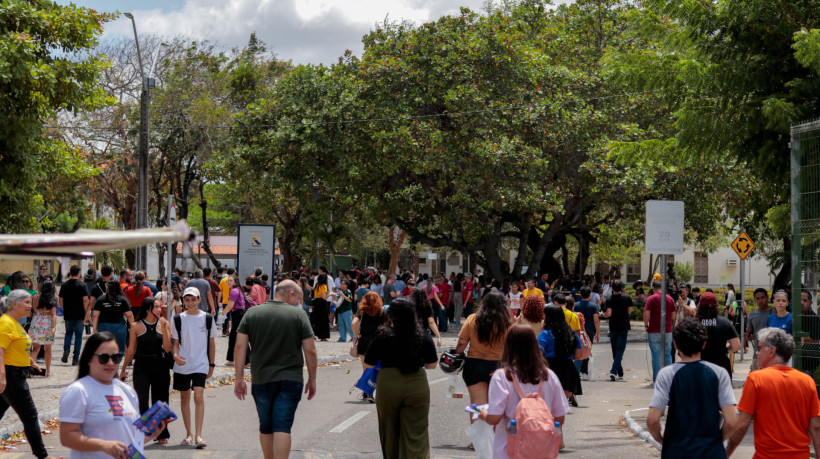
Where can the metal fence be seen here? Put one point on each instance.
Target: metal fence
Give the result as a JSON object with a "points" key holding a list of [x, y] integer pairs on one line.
{"points": [[805, 215]]}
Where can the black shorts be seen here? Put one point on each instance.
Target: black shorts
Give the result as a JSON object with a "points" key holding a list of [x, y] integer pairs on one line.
{"points": [[477, 370], [186, 382]]}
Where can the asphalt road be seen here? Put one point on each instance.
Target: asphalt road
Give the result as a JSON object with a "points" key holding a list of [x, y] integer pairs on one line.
{"points": [[336, 424]]}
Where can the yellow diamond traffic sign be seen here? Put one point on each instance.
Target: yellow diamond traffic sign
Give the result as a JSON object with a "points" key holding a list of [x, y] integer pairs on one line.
{"points": [[743, 245]]}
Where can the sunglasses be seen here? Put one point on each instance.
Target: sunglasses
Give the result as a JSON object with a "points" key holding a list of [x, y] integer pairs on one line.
{"points": [[103, 358]]}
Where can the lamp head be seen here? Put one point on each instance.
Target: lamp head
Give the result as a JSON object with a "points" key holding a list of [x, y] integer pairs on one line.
{"points": [[129, 15]]}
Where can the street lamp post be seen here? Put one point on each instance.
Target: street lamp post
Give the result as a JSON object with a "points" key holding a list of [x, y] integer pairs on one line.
{"points": [[142, 193]]}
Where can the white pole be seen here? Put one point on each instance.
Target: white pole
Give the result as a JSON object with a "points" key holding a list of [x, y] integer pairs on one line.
{"points": [[663, 311]]}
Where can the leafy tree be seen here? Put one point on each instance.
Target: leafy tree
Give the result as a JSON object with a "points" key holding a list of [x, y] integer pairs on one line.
{"points": [[43, 73]]}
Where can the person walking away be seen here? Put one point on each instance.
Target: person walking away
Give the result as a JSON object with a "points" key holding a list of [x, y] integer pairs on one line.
{"points": [[468, 294], [280, 335], [652, 322], [532, 313], [226, 293], [402, 390], [321, 293], [206, 302], [781, 400], [730, 299], [16, 361], [150, 342], [617, 310], [514, 300], [100, 286], [76, 306], [592, 325], [97, 411], [559, 346], [424, 313], [111, 313], [344, 312], [781, 318], [214, 300], [44, 322], [757, 321], [444, 296], [236, 307], [137, 292], [723, 337], [370, 317], [364, 287], [458, 299], [522, 371], [697, 392], [194, 348], [258, 293], [484, 332], [307, 296], [437, 306]]}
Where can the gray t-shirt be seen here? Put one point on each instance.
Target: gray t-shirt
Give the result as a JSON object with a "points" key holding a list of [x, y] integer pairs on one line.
{"points": [[757, 322], [204, 290], [387, 289], [276, 330]]}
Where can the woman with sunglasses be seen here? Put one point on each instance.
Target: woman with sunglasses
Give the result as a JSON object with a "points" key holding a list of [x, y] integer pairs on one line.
{"points": [[44, 322], [97, 411], [150, 340], [15, 362]]}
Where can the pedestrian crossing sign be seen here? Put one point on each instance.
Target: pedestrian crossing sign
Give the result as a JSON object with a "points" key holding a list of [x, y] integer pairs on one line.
{"points": [[743, 245]]}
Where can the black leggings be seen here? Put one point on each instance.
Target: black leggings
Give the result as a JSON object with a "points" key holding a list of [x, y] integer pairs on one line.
{"points": [[18, 396], [236, 318], [152, 374]]}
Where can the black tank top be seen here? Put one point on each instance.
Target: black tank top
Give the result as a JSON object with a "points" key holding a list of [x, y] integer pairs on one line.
{"points": [[149, 344]]}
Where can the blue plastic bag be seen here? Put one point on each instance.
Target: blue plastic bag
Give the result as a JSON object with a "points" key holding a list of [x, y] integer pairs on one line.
{"points": [[367, 383]]}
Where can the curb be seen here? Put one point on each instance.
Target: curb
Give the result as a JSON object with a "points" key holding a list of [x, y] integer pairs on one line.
{"points": [[18, 426], [641, 337], [640, 431]]}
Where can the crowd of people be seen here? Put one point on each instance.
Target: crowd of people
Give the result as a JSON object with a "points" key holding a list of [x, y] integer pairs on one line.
{"points": [[521, 337]]}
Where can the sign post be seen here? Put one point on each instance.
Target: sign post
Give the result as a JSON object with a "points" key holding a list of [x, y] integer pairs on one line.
{"points": [[664, 235], [743, 246], [256, 248], [172, 220]]}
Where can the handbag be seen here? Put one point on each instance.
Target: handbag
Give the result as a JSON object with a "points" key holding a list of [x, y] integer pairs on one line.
{"points": [[168, 358], [367, 383]]}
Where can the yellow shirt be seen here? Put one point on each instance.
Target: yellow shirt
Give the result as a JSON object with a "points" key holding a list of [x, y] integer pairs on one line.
{"points": [[531, 291], [319, 291], [226, 291], [572, 319], [15, 342]]}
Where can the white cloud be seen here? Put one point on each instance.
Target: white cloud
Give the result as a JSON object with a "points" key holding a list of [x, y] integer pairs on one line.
{"points": [[305, 31]]}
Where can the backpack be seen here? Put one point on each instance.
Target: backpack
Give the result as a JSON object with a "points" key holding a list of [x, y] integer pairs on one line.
{"points": [[209, 320], [536, 435]]}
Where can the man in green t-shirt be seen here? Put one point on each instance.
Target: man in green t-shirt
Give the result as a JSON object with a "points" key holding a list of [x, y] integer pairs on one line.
{"points": [[279, 332]]}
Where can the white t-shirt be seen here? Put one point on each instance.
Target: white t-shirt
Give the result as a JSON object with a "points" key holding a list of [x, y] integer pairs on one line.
{"points": [[503, 399], [515, 300], [194, 344], [105, 411]]}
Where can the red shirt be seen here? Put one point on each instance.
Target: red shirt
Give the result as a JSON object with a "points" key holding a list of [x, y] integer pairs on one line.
{"points": [[135, 298], [653, 305], [444, 293], [467, 292]]}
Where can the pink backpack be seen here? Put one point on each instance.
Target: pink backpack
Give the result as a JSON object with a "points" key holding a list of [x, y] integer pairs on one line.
{"points": [[536, 435]]}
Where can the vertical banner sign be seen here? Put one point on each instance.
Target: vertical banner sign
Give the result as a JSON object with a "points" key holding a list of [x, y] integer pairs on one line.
{"points": [[256, 248]]}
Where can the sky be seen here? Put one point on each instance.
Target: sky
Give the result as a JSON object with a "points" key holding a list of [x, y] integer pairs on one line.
{"points": [[303, 31]]}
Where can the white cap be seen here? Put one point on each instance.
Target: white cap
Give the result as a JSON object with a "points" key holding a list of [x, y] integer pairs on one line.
{"points": [[191, 291]]}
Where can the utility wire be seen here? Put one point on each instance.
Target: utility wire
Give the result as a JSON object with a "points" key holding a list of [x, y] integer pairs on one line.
{"points": [[365, 120]]}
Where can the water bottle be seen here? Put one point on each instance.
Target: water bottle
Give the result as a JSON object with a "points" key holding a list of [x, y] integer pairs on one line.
{"points": [[512, 429], [558, 431]]}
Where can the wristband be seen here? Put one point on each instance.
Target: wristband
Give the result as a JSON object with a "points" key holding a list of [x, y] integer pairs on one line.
{"points": [[211, 365]]}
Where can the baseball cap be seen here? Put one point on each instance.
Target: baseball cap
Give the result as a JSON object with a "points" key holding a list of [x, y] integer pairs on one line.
{"points": [[191, 291]]}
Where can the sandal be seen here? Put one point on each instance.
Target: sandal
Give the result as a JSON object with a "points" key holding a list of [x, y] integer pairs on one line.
{"points": [[162, 441], [189, 440], [200, 443]]}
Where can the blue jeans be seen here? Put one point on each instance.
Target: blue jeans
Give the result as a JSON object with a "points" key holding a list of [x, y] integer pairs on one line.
{"points": [[276, 404], [617, 340], [655, 348], [442, 318], [345, 320], [74, 328], [118, 330]]}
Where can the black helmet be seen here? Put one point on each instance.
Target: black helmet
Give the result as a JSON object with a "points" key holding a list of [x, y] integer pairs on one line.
{"points": [[450, 361]]}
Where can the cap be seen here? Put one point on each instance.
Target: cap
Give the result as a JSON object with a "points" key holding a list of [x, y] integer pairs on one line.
{"points": [[191, 291]]}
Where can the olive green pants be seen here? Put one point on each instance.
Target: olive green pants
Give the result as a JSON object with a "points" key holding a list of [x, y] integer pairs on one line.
{"points": [[403, 405]]}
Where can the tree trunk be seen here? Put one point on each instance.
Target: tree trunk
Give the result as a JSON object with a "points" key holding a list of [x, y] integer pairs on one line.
{"points": [[784, 276], [206, 237], [395, 243], [492, 260], [162, 250], [582, 259]]}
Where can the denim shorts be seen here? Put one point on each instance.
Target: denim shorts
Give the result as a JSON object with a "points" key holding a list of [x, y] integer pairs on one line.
{"points": [[276, 404]]}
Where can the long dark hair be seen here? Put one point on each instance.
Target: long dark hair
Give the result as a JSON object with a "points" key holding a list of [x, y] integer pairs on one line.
{"points": [[94, 341], [564, 337], [492, 319], [114, 289], [423, 306], [405, 331], [146, 307], [522, 357], [48, 296], [15, 281]]}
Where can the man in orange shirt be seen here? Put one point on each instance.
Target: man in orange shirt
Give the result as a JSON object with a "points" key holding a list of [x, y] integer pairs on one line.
{"points": [[531, 288], [782, 401]]}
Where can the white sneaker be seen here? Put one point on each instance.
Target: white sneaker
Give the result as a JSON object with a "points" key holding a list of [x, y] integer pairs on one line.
{"points": [[620, 378], [584, 377]]}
